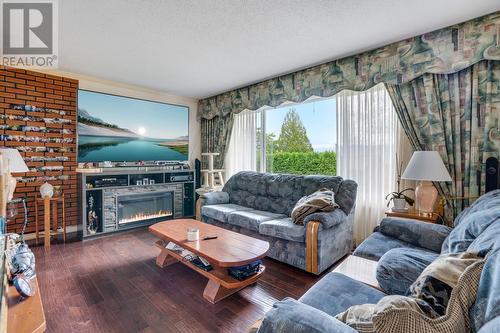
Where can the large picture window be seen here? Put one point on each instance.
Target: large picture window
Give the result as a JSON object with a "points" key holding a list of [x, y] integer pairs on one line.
{"points": [[298, 139], [354, 135]]}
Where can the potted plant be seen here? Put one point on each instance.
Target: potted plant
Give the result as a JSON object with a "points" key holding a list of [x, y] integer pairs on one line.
{"points": [[398, 197]]}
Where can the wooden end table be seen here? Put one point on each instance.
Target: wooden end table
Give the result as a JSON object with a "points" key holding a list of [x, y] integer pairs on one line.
{"points": [[360, 269], [230, 249], [413, 214], [47, 201], [26, 315]]}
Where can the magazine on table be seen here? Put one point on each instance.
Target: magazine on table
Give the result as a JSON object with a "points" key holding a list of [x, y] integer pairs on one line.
{"points": [[189, 256]]}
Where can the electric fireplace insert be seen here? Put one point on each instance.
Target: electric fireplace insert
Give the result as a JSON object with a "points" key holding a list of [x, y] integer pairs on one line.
{"points": [[144, 208]]}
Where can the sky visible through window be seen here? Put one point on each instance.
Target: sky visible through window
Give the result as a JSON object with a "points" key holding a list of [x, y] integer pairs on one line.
{"points": [[318, 117]]}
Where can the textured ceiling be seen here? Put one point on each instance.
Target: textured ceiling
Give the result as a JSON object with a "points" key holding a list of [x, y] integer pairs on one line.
{"points": [[198, 48]]}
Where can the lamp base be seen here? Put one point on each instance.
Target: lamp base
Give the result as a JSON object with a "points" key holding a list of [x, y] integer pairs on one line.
{"points": [[425, 198], [11, 185]]}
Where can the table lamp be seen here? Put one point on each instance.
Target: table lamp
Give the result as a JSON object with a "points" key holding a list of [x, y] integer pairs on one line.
{"points": [[426, 167], [11, 162]]}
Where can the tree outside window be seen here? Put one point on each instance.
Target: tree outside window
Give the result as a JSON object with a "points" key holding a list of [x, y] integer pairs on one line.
{"points": [[291, 150]]}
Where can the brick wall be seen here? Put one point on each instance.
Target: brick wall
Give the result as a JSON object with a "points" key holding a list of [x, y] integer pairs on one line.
{"points": [[23, 87]]}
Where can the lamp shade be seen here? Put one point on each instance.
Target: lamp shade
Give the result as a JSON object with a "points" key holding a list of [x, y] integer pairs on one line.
{"points": [[426, 165], [15, 162]]}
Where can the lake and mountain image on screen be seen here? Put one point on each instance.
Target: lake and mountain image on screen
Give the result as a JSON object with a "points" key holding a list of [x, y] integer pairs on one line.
{"points": [[115, 128]]}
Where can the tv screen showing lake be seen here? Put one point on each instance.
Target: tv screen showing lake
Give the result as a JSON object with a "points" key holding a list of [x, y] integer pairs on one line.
{"points": [[115, 128]]}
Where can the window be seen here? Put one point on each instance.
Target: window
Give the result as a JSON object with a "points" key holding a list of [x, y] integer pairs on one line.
{"points": [[298, 138], [354, 134]]}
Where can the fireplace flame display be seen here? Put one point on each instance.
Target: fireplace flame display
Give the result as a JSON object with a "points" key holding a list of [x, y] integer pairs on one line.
{"points": [[145, 216], [144, 207]]}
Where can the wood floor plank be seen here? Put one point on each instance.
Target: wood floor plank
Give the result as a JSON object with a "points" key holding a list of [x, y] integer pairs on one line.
{"points": [[112, 284]]}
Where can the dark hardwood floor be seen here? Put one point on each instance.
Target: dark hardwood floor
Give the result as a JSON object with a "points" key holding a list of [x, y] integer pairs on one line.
{"points": [[112, 284]]}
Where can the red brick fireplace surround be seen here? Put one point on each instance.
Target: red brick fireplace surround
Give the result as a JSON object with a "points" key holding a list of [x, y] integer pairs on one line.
{"points": [[46, 137]]}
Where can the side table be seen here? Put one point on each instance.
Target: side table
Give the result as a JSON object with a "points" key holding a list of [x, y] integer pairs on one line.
{"points": [[360, 269], [47, 203], [26, 315], [413, 214]]}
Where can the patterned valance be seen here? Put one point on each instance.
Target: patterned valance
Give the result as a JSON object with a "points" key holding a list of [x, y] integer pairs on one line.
{"points": [[442, 51]]}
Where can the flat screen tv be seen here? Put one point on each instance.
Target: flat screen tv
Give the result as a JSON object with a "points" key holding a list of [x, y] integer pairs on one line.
{"points": [[123, 129]]}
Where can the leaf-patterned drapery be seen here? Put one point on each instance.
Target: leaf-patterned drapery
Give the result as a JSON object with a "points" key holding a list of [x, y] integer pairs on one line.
{"points": [[442, 51], [457, 115], [215, 136]]}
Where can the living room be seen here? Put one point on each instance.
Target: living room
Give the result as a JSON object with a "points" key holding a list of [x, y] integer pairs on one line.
{"points": [[250, 166]]}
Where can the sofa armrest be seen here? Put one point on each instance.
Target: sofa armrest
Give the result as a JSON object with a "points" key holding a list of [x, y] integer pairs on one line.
{"points": [[327, 219], [291, 316], [315, 224], [214, 198], [423, 234]]}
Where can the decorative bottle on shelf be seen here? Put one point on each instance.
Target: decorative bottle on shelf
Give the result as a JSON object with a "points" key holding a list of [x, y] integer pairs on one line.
{"points": [[46, 190]]}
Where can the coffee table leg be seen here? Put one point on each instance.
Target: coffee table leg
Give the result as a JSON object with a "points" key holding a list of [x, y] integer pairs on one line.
{"points": [[164, 259], [214, 292]]}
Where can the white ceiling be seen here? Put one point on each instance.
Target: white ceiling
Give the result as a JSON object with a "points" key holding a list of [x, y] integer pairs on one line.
{"points": [[199, 48]]}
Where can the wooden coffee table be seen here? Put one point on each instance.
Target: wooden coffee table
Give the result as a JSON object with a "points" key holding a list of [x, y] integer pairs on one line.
{"points": [[228, 250]]}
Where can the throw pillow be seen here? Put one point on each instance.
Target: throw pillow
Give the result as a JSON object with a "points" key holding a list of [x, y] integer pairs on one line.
{"points": [[322, 200], [438, 301]]}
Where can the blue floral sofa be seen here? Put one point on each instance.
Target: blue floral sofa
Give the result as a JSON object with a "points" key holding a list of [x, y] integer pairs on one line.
{"points": [[403, 248], [260, 204]]}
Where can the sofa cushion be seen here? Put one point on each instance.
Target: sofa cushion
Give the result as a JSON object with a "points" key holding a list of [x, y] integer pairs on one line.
{"points": [[491, 326], [484, 202], [221, 212], [375, 246], [475, 226], [345, 190], [487, 305], [278, 193], [328, 219], [291, 316], [269, 192], [335, 293], [251, 219], [400, 267], [283, 228], [422, 234], [215, 198]]}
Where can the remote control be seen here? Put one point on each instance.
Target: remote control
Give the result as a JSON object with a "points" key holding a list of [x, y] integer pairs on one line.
{"points": [[204, 261]]}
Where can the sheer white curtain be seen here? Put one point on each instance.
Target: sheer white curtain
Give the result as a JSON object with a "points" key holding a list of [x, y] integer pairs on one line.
{"points": [[242, 150], [405, 151], [367, 133]]}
